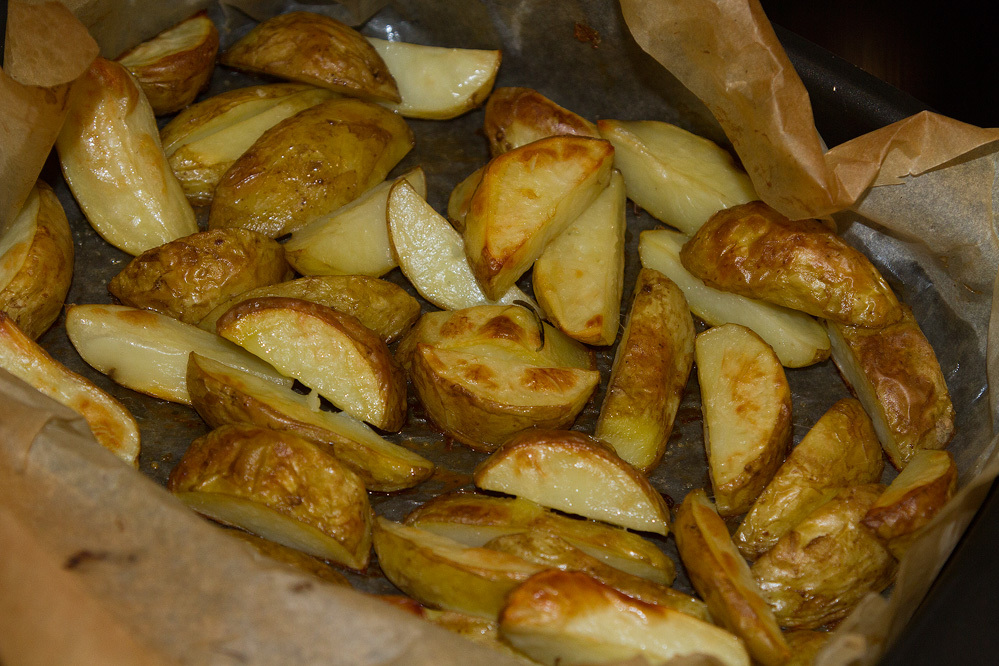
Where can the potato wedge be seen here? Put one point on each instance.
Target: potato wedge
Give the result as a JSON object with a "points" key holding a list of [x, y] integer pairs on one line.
{"points": [[723, 579], [442, 573], [840, 450], [527, 197], [797, 339], [293, 558], [650, 371], [279, 486], [820, 570], [461, 197], [188, 277], [113, 426], [309, 165], [561, 618], [754, 251], [896, 376], [175, 65], [678, 177], [147, 351], [518, 116], [110, 152], [572, 472], [326, 350], [746, 403], [805, 645], [579, 277], [314, 49], [36, 262]]}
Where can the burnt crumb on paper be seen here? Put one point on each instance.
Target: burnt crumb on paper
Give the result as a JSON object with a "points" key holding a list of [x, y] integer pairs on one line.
{"points": [[83, 557], [586, 34], [304, 586]]}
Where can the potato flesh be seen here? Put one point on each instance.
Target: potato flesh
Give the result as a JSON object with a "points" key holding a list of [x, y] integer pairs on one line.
{"points": [[171, 41], [16, 239], [517, 116], [292, 557], [460, 199]]}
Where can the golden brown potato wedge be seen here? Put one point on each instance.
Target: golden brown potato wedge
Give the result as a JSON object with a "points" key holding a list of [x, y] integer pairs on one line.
{"points": [[840, 450], [222, 395], [822, 568], [579, 277], [755, 251], [294, 558], [36, 262], [109, 420], [279, 486], [110, 152], [650, 371], [896, 376], [517, 116], [527, 197], [309, 165], [723, 579], [326, 350], [805, 645], [572, 472], [561, 618], [175, 65], [314, 49], [461, 197], [188, 277], [746, 403]]}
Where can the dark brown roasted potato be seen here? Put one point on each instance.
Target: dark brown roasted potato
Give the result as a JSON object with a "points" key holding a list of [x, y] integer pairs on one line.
{"points": [[515, 116]]}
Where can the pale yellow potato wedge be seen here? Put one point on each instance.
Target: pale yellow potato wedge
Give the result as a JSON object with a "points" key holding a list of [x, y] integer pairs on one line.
{"points": [[326, 350], [579, 277], [678, 177], [650, 371], [293, 558], [435, 82], [111, 156], [175, 65], [222, 395], [112, 424], [840, 450], [797, 339], [527, 197], [442, 573], [516, 116], [354, 239], [147, 351], [460, 198], [572, 472], [279, 486], [561, 618], [746, 404], [723, 579]]}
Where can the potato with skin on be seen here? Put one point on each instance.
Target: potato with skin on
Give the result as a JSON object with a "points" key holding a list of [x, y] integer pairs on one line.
{"points": [[517, 116], [314, 49], [840, 450], [805, 645], [754, 251], [293, 558], [723, 579], [746, 404], [461, 198], [279, 486], [650, 371]]}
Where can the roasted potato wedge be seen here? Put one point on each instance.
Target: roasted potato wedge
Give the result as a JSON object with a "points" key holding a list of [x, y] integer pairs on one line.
{"points": [[113, 426], [527, 197], [805, 645], [188, 277], [293, 558], [561, 618], [279, 486], [175, 65], [746, 403], [579, 277], [36, 262], [840, 450], [112, 159], [723, 579], [755, 251], [309, 165], [222, 395], [572, 472], [896, 376], [678, 177], [461, 197], [820, 570], [517, 116], [314, 49], [147, 351], [326, 350], [650, 371]]}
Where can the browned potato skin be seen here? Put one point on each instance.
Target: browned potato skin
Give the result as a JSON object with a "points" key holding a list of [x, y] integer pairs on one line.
{"points": [[515, 116], [820, 570], [754, 251], [34, 297], [315, 49], [188, 277], [294, 558]]}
